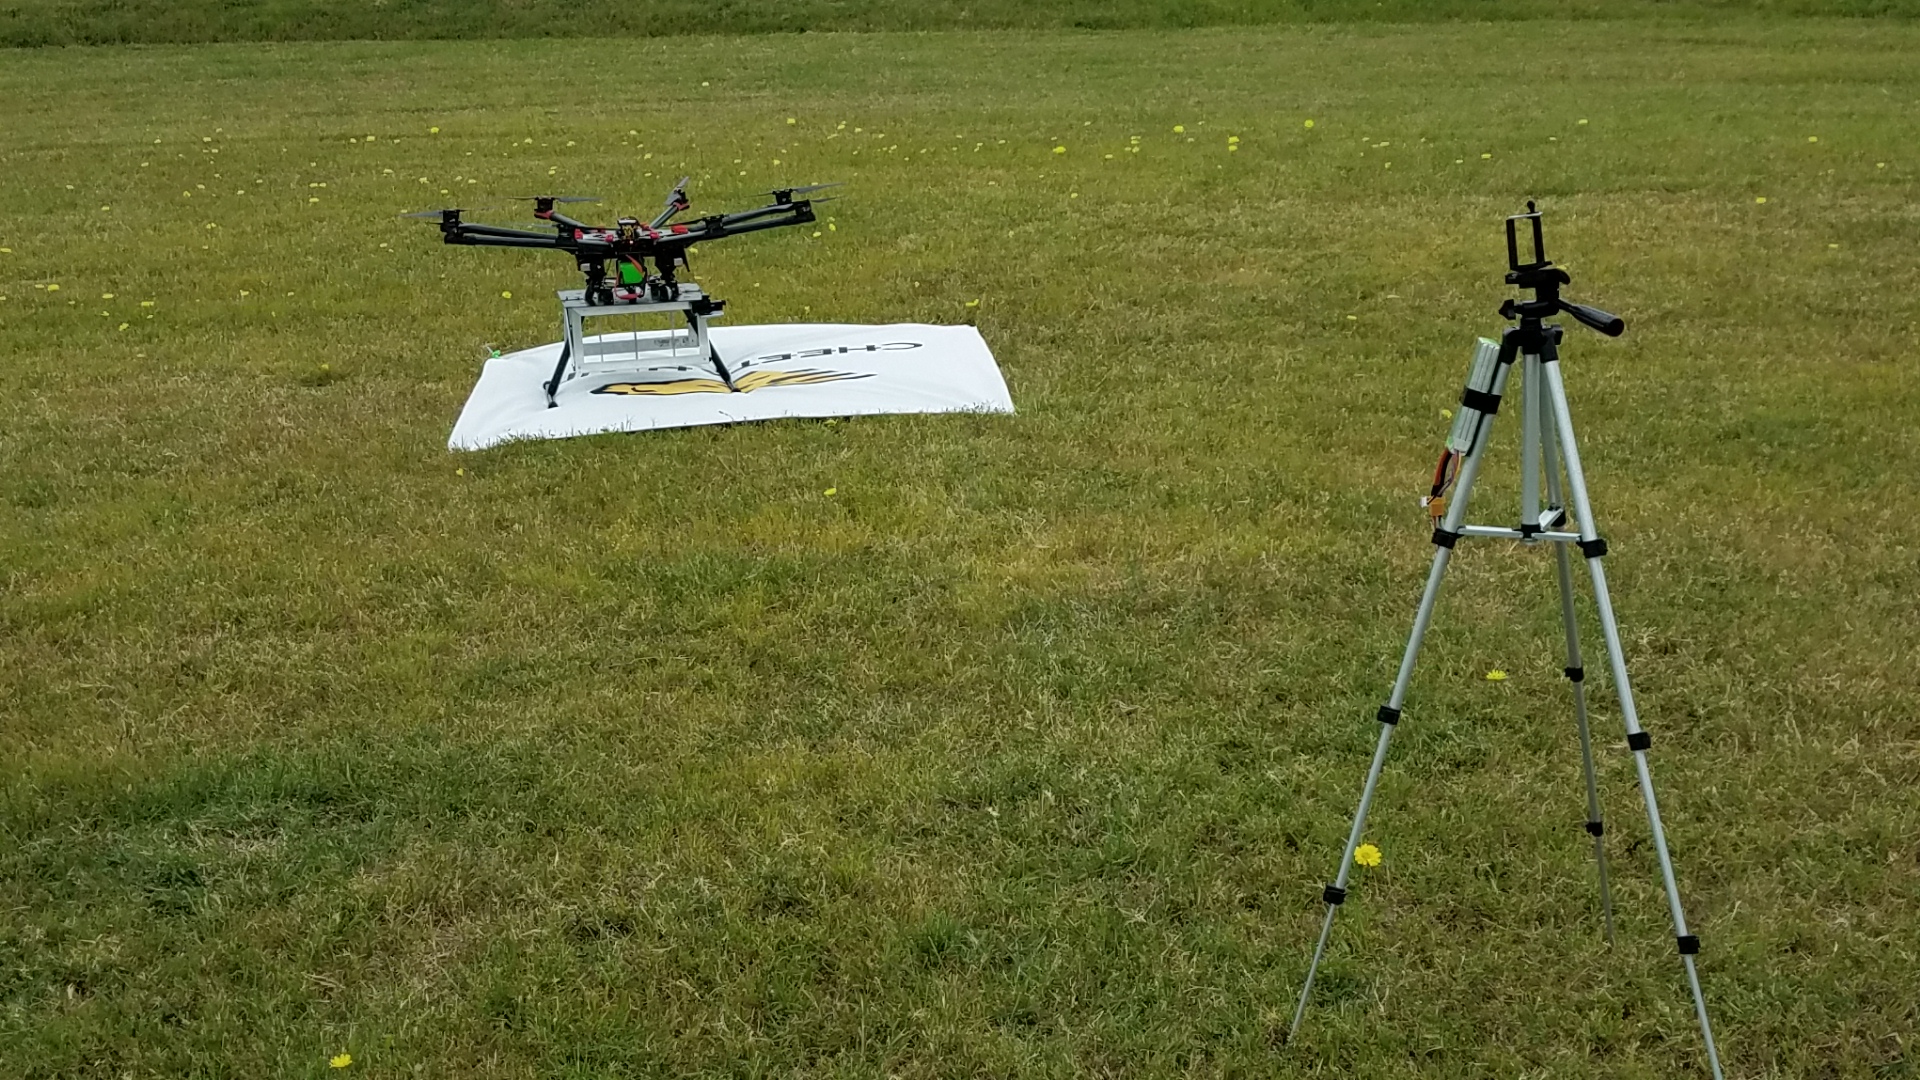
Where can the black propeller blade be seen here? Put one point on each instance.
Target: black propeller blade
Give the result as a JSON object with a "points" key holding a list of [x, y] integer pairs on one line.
{"points": [[785, 195], [556, 198], [451, 213]]}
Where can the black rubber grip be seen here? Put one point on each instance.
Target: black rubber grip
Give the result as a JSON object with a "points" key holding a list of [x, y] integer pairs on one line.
{"points": [[1639, 740], [1607, 323], [1388, 715], [1689, 944], [1480, 400], [1334, 895]]}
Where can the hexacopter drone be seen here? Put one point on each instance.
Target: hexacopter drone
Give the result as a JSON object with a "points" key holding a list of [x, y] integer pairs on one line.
{"points": [[615, 263]]}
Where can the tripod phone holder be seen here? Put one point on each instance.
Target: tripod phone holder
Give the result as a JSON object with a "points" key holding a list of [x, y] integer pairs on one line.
{"points": [[1547, 446], [1545, 280]]}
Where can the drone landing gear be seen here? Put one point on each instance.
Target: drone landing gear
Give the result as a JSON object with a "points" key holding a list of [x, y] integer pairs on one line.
{"points": [[636, 351]]}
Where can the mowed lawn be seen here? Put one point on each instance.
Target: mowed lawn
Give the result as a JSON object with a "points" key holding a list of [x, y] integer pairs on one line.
{"points": [[1024, 753]]}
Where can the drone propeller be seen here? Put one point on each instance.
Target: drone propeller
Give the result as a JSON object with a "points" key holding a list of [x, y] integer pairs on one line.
{"points": [[444, 216], [555, 198], [785, 195]]}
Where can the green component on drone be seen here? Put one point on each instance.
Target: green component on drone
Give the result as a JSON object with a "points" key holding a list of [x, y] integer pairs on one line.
{"points": [[631, 274]]}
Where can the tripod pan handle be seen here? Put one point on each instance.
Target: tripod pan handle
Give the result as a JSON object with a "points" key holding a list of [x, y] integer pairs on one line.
{"points": [[1594, 318]]}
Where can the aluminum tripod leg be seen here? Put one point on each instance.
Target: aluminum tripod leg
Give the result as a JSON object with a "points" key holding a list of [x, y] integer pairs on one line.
{"points": [[1637, 740], [1576, 673], [1389, 715]]}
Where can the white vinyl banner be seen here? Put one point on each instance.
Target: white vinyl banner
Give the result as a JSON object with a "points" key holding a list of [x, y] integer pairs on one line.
{"points": [[781, 370]]}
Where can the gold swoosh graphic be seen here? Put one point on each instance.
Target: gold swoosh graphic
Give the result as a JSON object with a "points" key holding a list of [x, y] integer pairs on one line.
{"points": [[756, 380], [664, 389]]}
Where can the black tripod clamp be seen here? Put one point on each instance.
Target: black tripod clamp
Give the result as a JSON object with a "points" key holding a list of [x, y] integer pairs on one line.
{"points": [[1545, 280]]}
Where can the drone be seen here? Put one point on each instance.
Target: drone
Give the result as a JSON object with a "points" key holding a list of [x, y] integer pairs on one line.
{"points": [[615, 261]]}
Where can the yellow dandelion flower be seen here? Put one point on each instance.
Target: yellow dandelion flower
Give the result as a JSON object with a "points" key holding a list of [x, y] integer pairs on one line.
{"points": [[1486, 157], [1813, 138], [1583, 122], [433, 131], [1496, 675], [340, 1060], [1367, 855], [1759, 199], [1059, 149], [53, 287], [831, 491], [1309, 125], [792, 120], [1179, 129]]}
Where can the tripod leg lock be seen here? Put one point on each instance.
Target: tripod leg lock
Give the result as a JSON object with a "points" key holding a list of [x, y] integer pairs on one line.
{"points": [[1689, 944], [1593, 548], [1575, 674], [1445, 539], [1334, 894], [1638, 740], [1595, 828], [1388, 715]]}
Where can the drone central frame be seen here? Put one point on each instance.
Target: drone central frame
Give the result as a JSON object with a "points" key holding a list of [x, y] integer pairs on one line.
{"points": [[615, 261]]}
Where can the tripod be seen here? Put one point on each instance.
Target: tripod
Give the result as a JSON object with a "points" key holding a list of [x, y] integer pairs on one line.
{"points": [[1547, 442]]}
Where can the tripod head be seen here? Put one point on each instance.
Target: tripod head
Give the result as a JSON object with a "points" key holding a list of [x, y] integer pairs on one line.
{"points": [[1545, 280]]}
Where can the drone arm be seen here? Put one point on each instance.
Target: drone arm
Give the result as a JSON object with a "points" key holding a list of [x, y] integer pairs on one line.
{"points": [[475, 230], [767, 217], [561, 219], [770, 210], [676, 202], [503, 238]]}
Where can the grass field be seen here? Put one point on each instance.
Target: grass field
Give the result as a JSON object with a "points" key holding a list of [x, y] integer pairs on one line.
{"points": [[1026, 752], [27, 23]]}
